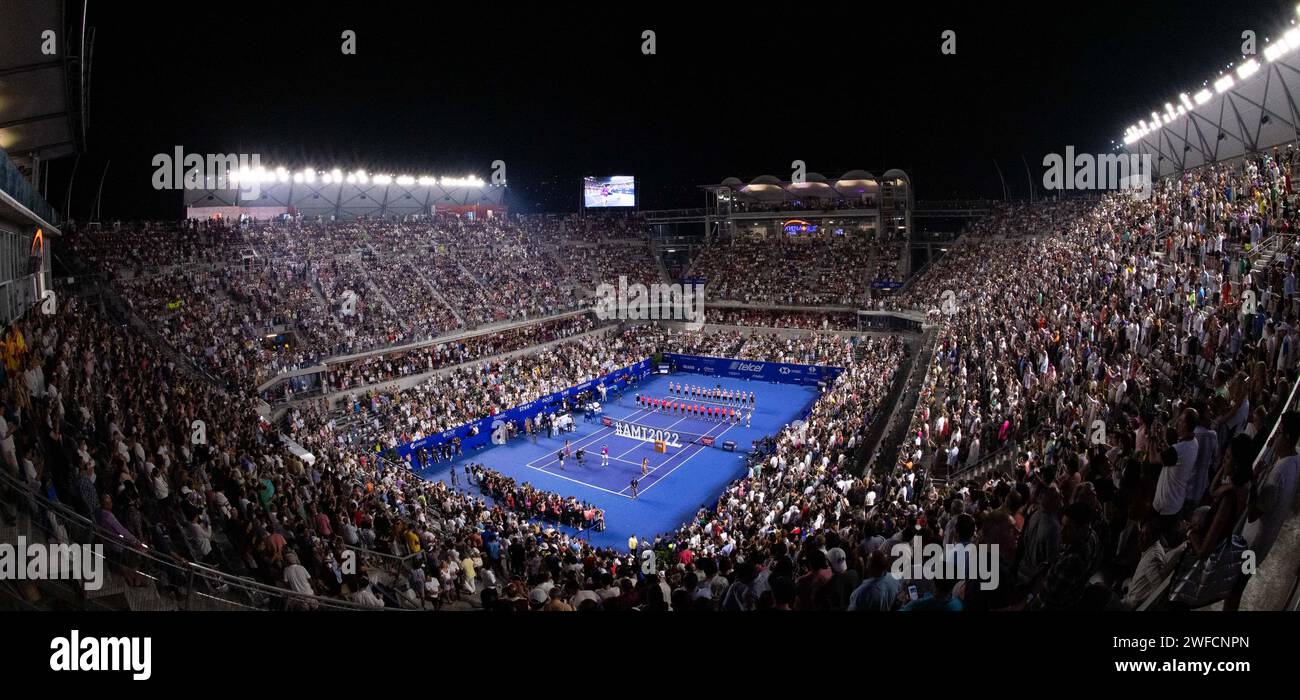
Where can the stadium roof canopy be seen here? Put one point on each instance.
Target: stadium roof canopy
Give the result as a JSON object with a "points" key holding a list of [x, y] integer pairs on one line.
{"points": [[854, 183], [354, 195], [43, 109], [1249, 107]]}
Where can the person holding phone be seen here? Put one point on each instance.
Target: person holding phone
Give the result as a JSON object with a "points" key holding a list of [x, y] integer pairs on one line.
{"points": [[942, 600]]}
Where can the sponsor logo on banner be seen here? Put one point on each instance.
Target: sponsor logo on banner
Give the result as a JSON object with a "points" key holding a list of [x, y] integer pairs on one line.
{"points": [[487, 427], [772, 371]]}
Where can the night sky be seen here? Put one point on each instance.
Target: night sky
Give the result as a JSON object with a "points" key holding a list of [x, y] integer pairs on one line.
{"points": [[561, 90]]}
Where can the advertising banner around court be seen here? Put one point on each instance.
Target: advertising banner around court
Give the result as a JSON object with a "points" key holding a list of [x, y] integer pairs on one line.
{"points": [[480, 432], [778, 372]]}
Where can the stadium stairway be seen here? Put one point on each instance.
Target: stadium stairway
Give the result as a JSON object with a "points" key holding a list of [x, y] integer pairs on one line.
{"points": [[438, 295], [470, 275], [896, 433], [107, 298], [933, 446], [383, 299], [316, 290], [663, 269]]}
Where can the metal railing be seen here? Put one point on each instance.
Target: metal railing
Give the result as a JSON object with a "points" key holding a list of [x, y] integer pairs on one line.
{"points": [[141, 577], [14, 184], [1287, 559]]}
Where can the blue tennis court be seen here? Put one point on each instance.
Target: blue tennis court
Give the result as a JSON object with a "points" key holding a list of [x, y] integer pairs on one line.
{"points": [[630, 441], [687, 476]]}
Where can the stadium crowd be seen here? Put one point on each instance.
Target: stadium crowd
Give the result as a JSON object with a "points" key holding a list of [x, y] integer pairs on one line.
{"points": [[807, 270], [738, 316], [218, 290], [389, 366], [1147, 349], [1130, 357], [471, 390]]}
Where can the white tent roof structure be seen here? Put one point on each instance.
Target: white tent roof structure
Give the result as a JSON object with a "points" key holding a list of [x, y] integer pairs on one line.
{"points": [[1250, 107], [767, 188], [350, 200]]}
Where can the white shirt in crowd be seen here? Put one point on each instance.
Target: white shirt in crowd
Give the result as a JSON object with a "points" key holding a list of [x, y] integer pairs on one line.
{"points": [[1171, 489], [298, 579], [1277, 496]]}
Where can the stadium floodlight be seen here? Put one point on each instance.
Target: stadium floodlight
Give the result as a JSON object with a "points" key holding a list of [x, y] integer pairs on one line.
{"points": [[352, 179], [1276, 50], [382, 179], [1247, 69], [1292, 39], [405, 180], [1185, 100], [470, 181], [338, 175], [426, 181], [327, 179], [1223, 84], [297, 178], [309, 175], [1203, 96]]}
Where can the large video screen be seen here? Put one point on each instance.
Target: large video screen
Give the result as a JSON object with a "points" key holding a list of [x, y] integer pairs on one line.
{"points": [[613, 191]]}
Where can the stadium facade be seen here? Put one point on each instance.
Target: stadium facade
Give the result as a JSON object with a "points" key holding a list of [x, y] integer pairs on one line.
{"points": [[856, 203], [857, 200], [44, 120]]}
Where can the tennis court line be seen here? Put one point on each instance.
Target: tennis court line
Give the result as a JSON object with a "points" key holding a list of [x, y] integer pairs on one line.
{"points": [[684, 461], [583, 442], [661, 464], [619, 457], [639, 443], [616, 493], [594, 461]]}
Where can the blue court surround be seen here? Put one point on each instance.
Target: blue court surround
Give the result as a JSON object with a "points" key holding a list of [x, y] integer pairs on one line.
{"points": [[679, 482]]}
